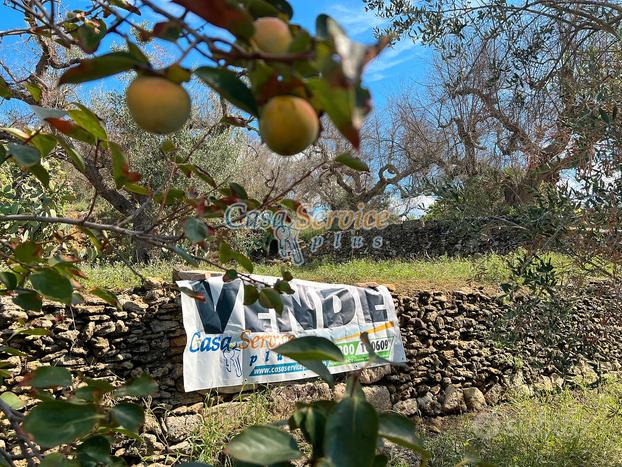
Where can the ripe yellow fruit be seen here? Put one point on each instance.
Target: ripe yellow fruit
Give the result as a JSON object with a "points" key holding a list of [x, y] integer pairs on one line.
{"points": [[272, 35], [157, 104], [288, 125]]}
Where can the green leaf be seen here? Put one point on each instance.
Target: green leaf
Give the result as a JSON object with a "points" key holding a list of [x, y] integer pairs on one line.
{"points": [[167, 30], [341, 106], [76, 158], [354, 56], [5, 90], [270, 298], [263, 445], [56, 459], [27, 252], [42, 175], [351, 433], [44, 143], [12, 351], [239, 190], [231, 87], [310, 348], [261, 8], [106, 296], [251, 294], [206, 177], [28, 300], [196, 230], [137, 53], [25, 155], [224, 14], [311, 420], [230, 275], [120, 166], [51, 284], [84, 117], [56, 422], [72, 129], [380, 461], [168, 146], [283, 6], [320, 369], [138, 387], [284, 287], [12, 400], [400, 430], [128, 416], [349, 160], [30, 332], [94, 452], [100, 67], [9, 280], [185, 255], [227, 254], [138, 189], [50, 377], [35, 91], [94, 390], [90, 35]]}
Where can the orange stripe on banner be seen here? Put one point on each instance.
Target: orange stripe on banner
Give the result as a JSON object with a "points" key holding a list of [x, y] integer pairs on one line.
{"points": [[386, 325]]}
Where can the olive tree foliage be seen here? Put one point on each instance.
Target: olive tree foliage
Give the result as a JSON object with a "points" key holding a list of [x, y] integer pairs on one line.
{"points": [[531, 86], [214, 147], [218, 152], [79, 418], [544, 75], [530, 92]]}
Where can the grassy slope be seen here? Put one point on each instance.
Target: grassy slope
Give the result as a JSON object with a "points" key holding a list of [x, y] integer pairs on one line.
{"points": [[580, 428], [443, 273], [570, 429]]}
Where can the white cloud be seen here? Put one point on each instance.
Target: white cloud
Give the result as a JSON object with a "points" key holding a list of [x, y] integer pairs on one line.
{"points": [[411, 207], [402, 52], [354, 19], [360, 25]]}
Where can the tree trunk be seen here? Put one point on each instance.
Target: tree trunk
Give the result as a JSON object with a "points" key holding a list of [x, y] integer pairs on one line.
{"points": [[142, 222]]}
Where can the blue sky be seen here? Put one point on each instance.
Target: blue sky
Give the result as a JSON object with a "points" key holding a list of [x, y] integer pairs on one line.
{"points": [[404, 65]]}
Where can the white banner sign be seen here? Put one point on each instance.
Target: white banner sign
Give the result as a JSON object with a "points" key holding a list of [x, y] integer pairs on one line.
{"points": [[230, 344]]}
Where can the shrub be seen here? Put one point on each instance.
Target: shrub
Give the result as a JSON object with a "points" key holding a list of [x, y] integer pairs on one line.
{"points": [[582, 428]]}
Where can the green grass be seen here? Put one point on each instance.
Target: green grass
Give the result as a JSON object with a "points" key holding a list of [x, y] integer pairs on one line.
{"points": [[571, 429], [441, 273], [222, 425], [118, 276]]}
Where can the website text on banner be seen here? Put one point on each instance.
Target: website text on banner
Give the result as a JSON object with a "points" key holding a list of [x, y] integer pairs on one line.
{"points": [[231, 344]]}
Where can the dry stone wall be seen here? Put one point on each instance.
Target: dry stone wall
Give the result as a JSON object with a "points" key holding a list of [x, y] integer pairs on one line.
{"points": [[456, 359], [418, 239]]}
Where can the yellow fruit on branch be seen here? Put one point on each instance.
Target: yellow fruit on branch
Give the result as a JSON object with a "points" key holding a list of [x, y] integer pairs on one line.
{"points": [[288, 125], [272, 35], [157, 104]]}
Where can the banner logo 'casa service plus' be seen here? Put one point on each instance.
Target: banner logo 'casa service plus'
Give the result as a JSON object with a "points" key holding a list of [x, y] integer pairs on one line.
{"points": [[286, 229]]}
